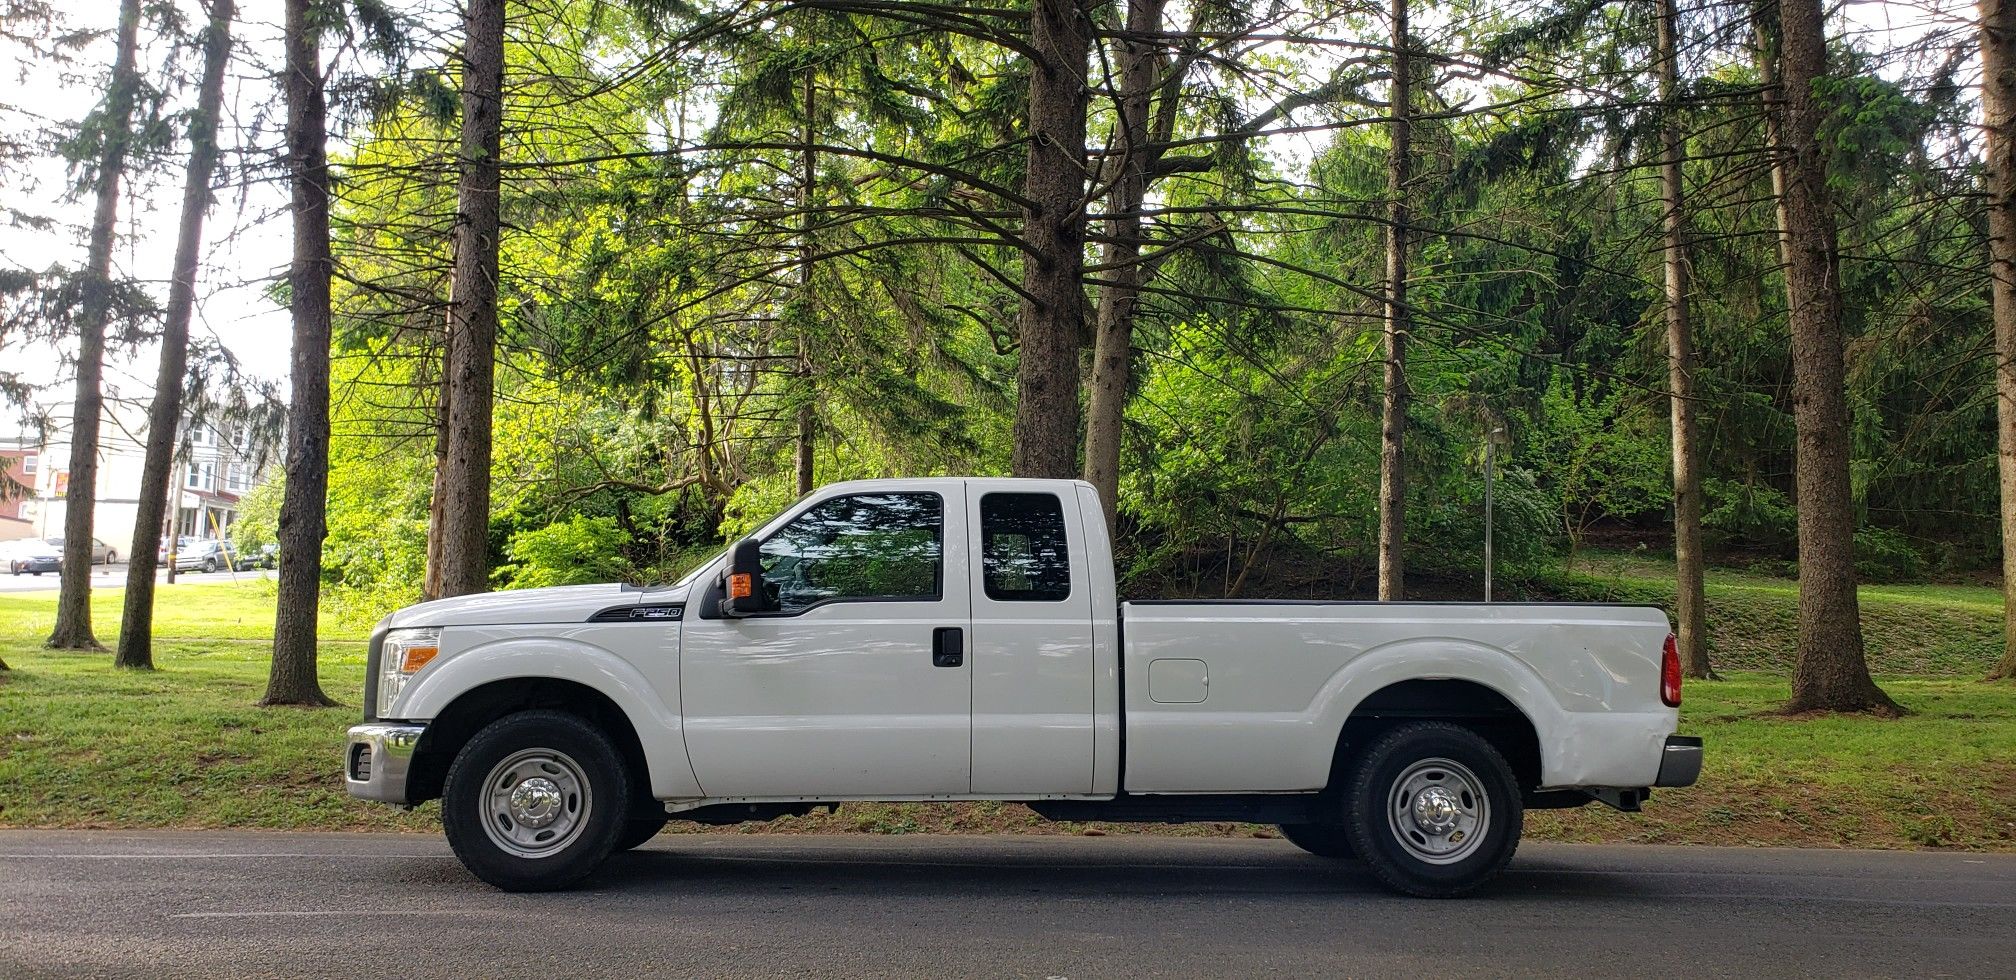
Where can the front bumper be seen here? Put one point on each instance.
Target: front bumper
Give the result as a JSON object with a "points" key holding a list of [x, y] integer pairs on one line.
{"points": [[377, 760], [1680, 763]]}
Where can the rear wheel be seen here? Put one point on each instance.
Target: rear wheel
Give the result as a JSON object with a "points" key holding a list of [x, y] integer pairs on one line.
{"points": [[1330, 840], [535, 801], [209, 564], [1434, 810]]}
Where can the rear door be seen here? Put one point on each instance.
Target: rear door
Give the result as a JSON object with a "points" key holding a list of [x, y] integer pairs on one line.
{"points": [[1032, 640], [852, 689]]}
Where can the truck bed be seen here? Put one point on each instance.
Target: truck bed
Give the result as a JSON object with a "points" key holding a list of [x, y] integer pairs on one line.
{"points": [[1252, 696]]}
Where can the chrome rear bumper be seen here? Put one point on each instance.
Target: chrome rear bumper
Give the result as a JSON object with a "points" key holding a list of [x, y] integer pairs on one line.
{"points": [[1680, 764], [377, 759]]}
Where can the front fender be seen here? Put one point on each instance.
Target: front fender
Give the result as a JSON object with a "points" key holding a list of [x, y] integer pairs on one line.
{"points": [[484, 659]]}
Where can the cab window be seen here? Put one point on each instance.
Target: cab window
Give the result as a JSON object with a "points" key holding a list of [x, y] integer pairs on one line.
{"points": [[865, 547], [1024, 554]]}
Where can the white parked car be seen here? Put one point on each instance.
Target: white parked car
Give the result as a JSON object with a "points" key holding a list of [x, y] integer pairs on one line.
{"points": [[959, 639], [34, 556]]}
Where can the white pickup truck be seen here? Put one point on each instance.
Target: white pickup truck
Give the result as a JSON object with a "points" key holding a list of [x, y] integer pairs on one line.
{"points": [[959, 639]]}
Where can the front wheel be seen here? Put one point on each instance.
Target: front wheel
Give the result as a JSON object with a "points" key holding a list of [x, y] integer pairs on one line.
{"points": [[209, 564], [111, 557], [1434, 810], [536, 801]]}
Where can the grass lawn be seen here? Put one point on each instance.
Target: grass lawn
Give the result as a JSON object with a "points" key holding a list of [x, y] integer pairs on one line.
{"points": [[83, 745], [1753, 620]]}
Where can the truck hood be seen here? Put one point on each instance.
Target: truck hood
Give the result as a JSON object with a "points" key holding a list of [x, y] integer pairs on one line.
{"points": [[560, 604]]}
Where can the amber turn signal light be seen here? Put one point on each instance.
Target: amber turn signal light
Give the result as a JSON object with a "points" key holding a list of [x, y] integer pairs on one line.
{"points": [[416, 658]]}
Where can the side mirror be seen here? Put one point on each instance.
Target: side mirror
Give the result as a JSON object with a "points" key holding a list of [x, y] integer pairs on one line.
{"points": [[742, 591]]}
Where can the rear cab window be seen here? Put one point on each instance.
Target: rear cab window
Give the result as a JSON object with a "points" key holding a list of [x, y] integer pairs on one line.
{"points": [[1024, 553]]}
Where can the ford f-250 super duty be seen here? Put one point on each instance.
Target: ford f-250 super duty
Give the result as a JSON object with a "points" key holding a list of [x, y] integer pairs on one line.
{"points": [[959, 639]]}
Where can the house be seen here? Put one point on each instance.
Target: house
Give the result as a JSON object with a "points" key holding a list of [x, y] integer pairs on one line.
{"points": [[20, 464], [216, 469]]}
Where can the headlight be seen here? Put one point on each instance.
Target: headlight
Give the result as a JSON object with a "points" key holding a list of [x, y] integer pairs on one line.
{"points": [[405, 652]]}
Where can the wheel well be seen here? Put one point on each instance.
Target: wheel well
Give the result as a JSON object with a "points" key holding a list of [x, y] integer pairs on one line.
{"points": [[1467, 703], [478, 707]]}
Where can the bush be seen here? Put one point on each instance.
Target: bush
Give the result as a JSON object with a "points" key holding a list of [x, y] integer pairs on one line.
{"points": [[258, 523], [1446, 531], [1748, 516], [1884, 555], [577, 551]]}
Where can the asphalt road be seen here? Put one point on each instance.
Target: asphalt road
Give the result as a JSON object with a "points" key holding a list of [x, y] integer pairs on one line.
{"points": [[108, 577], [251, 904]]}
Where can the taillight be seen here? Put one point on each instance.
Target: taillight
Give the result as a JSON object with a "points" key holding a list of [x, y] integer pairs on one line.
{"points": [[1669, 672]]}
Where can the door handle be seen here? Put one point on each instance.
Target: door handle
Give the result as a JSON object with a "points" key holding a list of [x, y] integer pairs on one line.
{"points": [[948, 646]]}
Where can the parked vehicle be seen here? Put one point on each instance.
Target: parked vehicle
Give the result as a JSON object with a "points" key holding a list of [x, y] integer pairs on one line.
{"points": [[35, 556], [266, 557], [101, 553], [959, 639], [199, 555], [182, 544]]}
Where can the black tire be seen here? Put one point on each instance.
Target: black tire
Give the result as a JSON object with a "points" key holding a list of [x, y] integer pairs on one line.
{"points": [[209, 564], [1328, 840], [1482, 806], [110, 557], [599, 802], [638, 831]]}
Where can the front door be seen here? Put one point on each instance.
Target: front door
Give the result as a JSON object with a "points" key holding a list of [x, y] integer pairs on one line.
{"points": [[851, 690]]}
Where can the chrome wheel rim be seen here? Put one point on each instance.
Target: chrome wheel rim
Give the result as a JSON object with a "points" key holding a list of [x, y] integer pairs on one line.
{"points": [[536, 802], [1438, 811]]}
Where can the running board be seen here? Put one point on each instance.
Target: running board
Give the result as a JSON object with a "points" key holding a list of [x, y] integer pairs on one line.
{"points": [[1244, 808]]}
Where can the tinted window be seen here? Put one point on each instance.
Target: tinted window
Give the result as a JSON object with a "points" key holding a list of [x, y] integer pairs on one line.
{"points": [[865, 546], [1023, 549]]}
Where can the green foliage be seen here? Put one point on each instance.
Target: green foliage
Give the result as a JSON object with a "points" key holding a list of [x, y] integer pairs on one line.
{"points": [[258, 523], [677, 289], [1748, 516], [1884, 555], [576, 551], [1603, 460]]}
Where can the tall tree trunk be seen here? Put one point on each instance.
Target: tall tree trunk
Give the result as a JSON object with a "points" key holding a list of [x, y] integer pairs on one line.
{"points": [[1393, 415], [1690, 565], [1120, 294], [164, 416], [1831, 673], [472, 340], [304, 503], [1998, 97], [73, 604], [1052, 313], [1764, 37], [808, 306], [430, 585]]}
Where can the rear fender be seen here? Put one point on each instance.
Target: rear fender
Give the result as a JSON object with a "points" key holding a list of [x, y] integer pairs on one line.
{"points": [[1435, 659]]}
